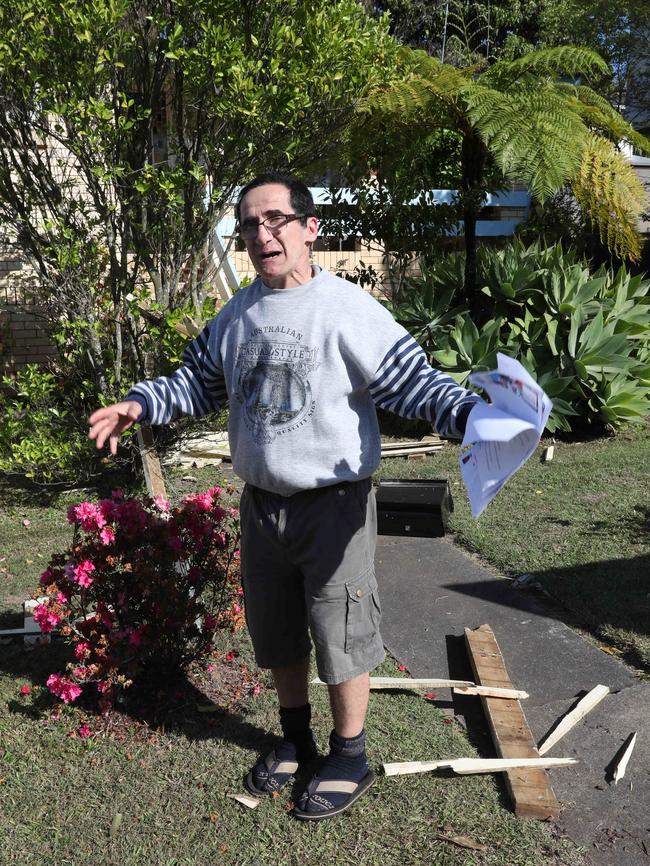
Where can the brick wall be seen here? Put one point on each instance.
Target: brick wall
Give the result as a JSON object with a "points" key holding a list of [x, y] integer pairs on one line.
{"points": [[22, 337]]}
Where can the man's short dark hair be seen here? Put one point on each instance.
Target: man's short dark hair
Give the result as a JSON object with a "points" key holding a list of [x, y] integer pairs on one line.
{"points": [[300, 198]]}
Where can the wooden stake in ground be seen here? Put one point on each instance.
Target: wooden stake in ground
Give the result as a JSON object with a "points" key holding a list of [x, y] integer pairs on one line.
{"points": [[530, 789], [150, 463], [571, 719]]}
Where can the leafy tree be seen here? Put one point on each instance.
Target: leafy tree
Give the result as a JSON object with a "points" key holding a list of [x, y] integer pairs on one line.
{"points": [[521, 120], [125, 126]]}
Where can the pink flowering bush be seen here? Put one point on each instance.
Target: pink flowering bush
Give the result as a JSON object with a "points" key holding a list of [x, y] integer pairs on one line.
{"points": [[142, 590]]}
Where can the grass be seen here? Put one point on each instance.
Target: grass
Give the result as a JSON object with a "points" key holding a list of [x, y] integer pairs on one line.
{"points": [[160, 797], [580, 524], [136, 794]]}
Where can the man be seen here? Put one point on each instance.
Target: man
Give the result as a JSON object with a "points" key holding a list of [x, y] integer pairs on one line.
{"points": [[303, 358]]}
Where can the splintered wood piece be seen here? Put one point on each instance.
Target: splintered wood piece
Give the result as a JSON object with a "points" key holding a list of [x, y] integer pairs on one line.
{"points": [[245, 800], [621, 767], [491, 692], [584, 706], [529, 789], [406, 768], [409, 683], [467, 766]]}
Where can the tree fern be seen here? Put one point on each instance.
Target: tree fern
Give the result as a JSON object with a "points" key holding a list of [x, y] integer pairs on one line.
{"points": [[609, 190]]}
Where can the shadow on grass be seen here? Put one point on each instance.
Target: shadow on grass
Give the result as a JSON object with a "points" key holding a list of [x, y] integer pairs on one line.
{"points": [[180, 707]]}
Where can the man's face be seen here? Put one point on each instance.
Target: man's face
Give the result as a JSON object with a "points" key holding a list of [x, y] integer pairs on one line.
{"points": [[280, 258]]}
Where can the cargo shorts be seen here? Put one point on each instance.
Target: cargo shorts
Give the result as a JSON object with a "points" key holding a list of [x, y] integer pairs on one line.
{"points": [[307, 565]]}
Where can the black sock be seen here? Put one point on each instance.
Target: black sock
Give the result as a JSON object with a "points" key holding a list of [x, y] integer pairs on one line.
{"points": [[347, 758], [299, 743]]}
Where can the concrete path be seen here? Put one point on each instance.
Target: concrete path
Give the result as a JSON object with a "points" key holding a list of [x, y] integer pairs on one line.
{"points": [[431, 590]]}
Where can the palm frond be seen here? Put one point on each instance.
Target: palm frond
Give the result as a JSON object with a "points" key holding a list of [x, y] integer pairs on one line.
{"points": [[564, 61], [610, 192]]}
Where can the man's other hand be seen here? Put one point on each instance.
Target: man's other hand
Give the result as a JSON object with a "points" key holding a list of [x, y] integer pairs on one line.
{"points": [[108, 423]]}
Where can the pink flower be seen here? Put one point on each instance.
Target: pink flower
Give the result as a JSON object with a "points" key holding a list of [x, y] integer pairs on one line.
{"points": [[82, 572], [107, 535], [82, 650], [84, 732], [25, 690], [210, 668], [161, 503], [80, 673], [62, 598], [235, 555], [402, 668], [102, 688], [256, 690], [236, 608], [200, 501], [431, 696], [233, 512], [87, 515], [231, 656], [47, 577], [46, 619], [240, 591], [27, 523], [63, 688]]}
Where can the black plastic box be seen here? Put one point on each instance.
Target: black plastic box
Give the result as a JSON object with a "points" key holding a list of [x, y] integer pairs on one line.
{"points": [[418, 508]]}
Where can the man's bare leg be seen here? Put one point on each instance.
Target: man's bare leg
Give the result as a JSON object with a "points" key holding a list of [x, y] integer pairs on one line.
{"points": [[291, 684], [349, 702]]}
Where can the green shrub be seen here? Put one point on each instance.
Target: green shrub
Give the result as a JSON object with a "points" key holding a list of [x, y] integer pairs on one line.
{"points": [[44, 427], [584, 336]]}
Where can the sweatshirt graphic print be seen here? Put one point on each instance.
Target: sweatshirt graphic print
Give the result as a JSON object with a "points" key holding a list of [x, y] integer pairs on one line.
{"points": [[272, 382], [303, 370]]}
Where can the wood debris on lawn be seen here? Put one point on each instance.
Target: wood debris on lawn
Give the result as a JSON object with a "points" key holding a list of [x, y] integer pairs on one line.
{"points": [[621, 766], [462, 842], [245, 800], [409, 447], [584, 706], [469, 766]]}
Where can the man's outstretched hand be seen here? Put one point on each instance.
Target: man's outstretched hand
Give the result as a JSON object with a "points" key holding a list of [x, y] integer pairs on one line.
{"points": [[108, 423]]}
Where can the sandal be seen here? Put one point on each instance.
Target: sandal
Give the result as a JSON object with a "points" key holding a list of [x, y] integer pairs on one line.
{"points": [[273, 774], [313, 806]]}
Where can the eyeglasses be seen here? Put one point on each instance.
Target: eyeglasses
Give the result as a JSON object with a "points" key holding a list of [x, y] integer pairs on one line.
{"points": [[248, 230]]}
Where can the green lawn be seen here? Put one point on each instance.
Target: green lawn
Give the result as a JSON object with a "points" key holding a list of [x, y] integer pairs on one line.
{"points": [[133, 795]]}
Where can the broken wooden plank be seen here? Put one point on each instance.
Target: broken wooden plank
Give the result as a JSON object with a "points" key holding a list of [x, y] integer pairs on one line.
{"points": [[468, 766], [621, 766], [409, 683], [491, 692], [584, 706], [531, 791]]}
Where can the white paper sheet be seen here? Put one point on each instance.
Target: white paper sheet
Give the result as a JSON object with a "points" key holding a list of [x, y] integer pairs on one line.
{"points": [[502, 435]]}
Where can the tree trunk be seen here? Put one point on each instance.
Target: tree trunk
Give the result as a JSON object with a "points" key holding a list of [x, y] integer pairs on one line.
{"points": [[473, 195]]}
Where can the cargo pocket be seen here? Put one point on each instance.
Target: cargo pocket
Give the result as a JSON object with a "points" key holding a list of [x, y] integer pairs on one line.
{"points": [[363, 612]]}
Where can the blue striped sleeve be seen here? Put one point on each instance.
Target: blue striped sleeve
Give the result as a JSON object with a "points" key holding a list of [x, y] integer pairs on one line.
{"points": [[407, 385], [197, 388]]}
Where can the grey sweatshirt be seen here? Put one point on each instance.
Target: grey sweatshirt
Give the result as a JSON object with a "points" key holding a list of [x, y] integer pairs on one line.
{"points": [[303, 369]]}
